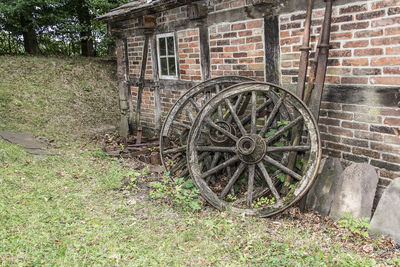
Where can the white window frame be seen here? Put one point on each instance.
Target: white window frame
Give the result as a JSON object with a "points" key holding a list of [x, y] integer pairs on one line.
{"points": [[164, 35]]}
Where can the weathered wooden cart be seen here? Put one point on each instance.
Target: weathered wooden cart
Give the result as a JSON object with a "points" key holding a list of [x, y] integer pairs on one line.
{"points": [[250, 147]]}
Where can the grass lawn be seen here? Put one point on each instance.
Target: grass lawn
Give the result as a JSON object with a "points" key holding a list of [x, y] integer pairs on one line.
{"points": [[82, 208], [74, 209]]}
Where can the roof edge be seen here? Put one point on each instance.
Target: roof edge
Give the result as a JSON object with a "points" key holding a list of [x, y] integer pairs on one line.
{"points": [[141, 6]]}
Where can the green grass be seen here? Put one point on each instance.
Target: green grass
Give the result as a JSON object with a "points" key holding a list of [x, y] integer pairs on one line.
{"points": [[58, 98], [71, 210], [78, 209]]}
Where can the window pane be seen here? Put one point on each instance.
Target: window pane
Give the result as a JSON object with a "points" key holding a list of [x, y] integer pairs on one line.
{"points": [[162, 46], [170, 44], [171, 66], [164, 66]]}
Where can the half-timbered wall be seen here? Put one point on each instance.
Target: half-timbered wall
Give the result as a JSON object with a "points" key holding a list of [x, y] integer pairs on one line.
{"points": [[359, 117]]}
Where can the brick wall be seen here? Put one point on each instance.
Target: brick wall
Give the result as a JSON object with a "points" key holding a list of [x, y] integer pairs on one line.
{"points": [[365, 39], [365, 54], [148, 105], [365, 43], [218, 5], [189, 55], [168, 99], [175, 14], [126, 24], [135, 54], [361, 133], [237, 49]]}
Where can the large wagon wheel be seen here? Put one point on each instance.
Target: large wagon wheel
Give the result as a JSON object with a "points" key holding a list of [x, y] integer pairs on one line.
{"points": [[177, 124], [254, 176]]}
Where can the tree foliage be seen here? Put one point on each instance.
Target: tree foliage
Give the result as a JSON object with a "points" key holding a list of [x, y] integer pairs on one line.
{"points": [[54, 26]]}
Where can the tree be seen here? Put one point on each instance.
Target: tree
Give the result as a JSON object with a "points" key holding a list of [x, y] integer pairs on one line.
{"points": [[56, 26], [85, 11], [27, 18]]}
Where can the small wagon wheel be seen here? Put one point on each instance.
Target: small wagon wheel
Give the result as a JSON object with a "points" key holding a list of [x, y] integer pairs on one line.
{"points": [[177, 124], [254, 177]]}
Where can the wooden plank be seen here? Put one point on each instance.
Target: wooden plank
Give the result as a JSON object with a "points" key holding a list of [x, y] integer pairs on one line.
{"points": [[271, 37], [204, 53]]}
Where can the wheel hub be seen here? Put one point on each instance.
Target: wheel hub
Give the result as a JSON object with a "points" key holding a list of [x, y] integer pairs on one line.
{"points": [[251, 148], [219, 138]]}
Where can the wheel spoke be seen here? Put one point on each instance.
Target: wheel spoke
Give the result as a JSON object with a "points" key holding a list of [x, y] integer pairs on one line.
{"points": [[175, 150], [184, 173], [216, 149], [184, 125], [213, 164], [222, 130], [260, 108], [253, 112], [217, 90], [235, 117], [271, 117], [287, 148], [196, 107], [283, 168], [179, 165], [190, 115], [237, 104], [215, 159], [233, 179], [220, 167], [252, 168], [229, 171], [207, 96], [268, 180], [244, 105], [283, 129]]}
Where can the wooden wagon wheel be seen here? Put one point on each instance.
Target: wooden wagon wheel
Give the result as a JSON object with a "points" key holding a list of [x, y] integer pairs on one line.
{"points": [[177, 124], [254, 176]]}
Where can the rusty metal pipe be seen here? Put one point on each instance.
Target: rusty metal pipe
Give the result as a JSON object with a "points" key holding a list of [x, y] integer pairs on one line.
{"points": [[322, 61], [317, 73], [305, 50]]}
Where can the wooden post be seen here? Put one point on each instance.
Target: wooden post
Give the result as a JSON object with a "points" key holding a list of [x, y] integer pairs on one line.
{"points": [[140, 89], [271, 37], [125, 97], [204, 52], [156, 92]]}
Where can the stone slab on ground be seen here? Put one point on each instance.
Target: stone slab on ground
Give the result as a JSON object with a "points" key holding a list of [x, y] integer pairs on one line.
{"points": [[355, 191], [321, 194], [27, 140], [386, 219]]}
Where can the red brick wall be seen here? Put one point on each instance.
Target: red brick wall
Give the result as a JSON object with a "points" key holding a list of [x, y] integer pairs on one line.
{"points": [[189, 55], [365, 39], [238, 49], [362, 133], [147, 107], [168, 98], [365, 52], [135, 54]]}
